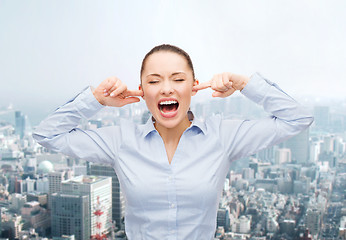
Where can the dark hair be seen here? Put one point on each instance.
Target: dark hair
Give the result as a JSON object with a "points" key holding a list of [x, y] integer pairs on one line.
{"points": [[168, 48]]}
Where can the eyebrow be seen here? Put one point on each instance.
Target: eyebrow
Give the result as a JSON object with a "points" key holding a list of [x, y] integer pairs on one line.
{"points": [[158, 75]]}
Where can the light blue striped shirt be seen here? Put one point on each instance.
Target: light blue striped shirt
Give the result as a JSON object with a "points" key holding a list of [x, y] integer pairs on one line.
{"points": [[178, 200]]}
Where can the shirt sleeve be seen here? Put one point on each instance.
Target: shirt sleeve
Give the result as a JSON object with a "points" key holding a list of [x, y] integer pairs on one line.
{"points": [[59, 131], [287, 118]]}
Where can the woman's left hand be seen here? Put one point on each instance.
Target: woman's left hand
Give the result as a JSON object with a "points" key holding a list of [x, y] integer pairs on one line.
{"points": [[224, 84]]}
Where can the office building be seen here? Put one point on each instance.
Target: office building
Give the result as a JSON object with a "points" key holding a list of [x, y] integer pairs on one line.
{"points": [[285, 185], [17, 201], [248, 173], [313, 221], [42, 185], [301, 186], [12, 226], [71, 215], [322, 117], [315, 149], [34, 216], [54, 181], [243, 225], [328, 144], [287, 226], [40, 197], [20, 124], [267, 154], [118, 202], [65, 237], [98, 189], [30, 184], [299, 146], [223, 219], [282, 155]]}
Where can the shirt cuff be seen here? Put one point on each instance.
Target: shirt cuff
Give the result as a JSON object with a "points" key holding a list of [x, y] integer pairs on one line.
{"points": [[257, 88], [86, 103]]}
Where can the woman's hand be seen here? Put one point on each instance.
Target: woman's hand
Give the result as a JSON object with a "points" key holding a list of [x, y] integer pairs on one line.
{"points": [[224, 84], [112, 92]]}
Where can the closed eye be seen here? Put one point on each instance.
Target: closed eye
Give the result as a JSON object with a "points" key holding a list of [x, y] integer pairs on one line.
{"points": [[153, 82], [179, 80]]}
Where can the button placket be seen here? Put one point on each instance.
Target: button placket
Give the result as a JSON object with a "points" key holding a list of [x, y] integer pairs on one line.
{"points": [[172, 205]]}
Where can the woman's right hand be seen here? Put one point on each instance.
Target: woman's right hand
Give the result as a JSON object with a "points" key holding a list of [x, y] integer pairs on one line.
{"points": [[112, 92]]}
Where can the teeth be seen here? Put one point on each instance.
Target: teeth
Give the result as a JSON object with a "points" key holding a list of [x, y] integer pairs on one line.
{"points": [[168, 102]]}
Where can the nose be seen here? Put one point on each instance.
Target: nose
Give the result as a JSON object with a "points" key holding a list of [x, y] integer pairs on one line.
{"points": [[167, 88]]}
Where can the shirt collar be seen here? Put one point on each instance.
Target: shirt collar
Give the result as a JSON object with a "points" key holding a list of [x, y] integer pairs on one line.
{"points": [[196, 123]]}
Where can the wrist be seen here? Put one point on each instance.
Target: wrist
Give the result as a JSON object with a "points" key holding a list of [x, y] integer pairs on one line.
{"points": [[245, 80], [97, 96]]}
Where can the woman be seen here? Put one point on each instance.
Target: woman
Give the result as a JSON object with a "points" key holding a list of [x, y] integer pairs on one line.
{"points": [[172, 169]]}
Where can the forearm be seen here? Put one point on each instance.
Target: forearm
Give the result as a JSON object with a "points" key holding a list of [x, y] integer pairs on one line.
{"points": [[67, 117], [60, 133], [276, 102], [287, 118]]}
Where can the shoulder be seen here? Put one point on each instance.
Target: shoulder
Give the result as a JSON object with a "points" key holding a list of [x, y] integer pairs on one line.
{"points": [[131, 131]]}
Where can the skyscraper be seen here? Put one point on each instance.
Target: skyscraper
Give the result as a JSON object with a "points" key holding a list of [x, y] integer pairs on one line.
{"points": [[282, 155], [54, 181], [313, 221], [71, 215], [322, 118], [223, 219], [20, 124], [299, 146], [118, 202], [96, 188]]}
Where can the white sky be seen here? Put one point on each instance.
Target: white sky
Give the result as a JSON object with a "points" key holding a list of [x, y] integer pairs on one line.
{"points": [[50, 50]]}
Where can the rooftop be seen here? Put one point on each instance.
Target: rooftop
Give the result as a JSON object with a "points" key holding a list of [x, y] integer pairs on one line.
{"points": [[85, 179]]}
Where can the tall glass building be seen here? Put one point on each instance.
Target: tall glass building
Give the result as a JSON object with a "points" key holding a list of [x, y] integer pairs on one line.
{"points": [[97, 189]]}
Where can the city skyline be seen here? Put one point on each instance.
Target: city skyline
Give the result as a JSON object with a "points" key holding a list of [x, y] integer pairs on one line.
{"points": [[288, 190]]}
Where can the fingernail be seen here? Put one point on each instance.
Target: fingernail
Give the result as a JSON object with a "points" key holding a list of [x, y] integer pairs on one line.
{"points": [[105, 94], [112, 94], [104, 90]]}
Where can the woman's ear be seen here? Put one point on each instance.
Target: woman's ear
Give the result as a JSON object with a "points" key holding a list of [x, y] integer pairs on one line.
{"points": [[141, 89], [195, 83]]}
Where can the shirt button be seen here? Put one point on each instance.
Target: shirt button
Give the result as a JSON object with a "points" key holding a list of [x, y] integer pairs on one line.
{"points": [[172, 205]]}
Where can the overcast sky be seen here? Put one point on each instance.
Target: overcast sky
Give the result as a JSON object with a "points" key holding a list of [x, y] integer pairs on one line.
{"points": [[50, 50]]}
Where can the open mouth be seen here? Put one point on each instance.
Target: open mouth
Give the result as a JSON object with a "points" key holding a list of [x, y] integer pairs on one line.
{"points": [[168, 106]]}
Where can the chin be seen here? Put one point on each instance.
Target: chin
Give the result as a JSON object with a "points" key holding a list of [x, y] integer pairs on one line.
{"points": [[167, 123]]}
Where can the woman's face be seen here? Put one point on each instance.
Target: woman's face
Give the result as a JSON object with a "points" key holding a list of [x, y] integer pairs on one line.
{"points": [[167, 83]]}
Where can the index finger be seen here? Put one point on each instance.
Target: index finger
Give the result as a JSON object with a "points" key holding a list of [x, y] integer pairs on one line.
{"points": [[202, 86], [134, 93]]}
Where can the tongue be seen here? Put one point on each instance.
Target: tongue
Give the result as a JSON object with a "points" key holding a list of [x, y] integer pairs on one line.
{"points": [[169, 108]]}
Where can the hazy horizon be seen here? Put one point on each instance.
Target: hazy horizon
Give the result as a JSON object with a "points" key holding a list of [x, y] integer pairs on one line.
{"points": [[50, 50]]}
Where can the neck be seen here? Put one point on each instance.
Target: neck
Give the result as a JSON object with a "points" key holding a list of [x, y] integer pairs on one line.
{"points": [[170, 135]]}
